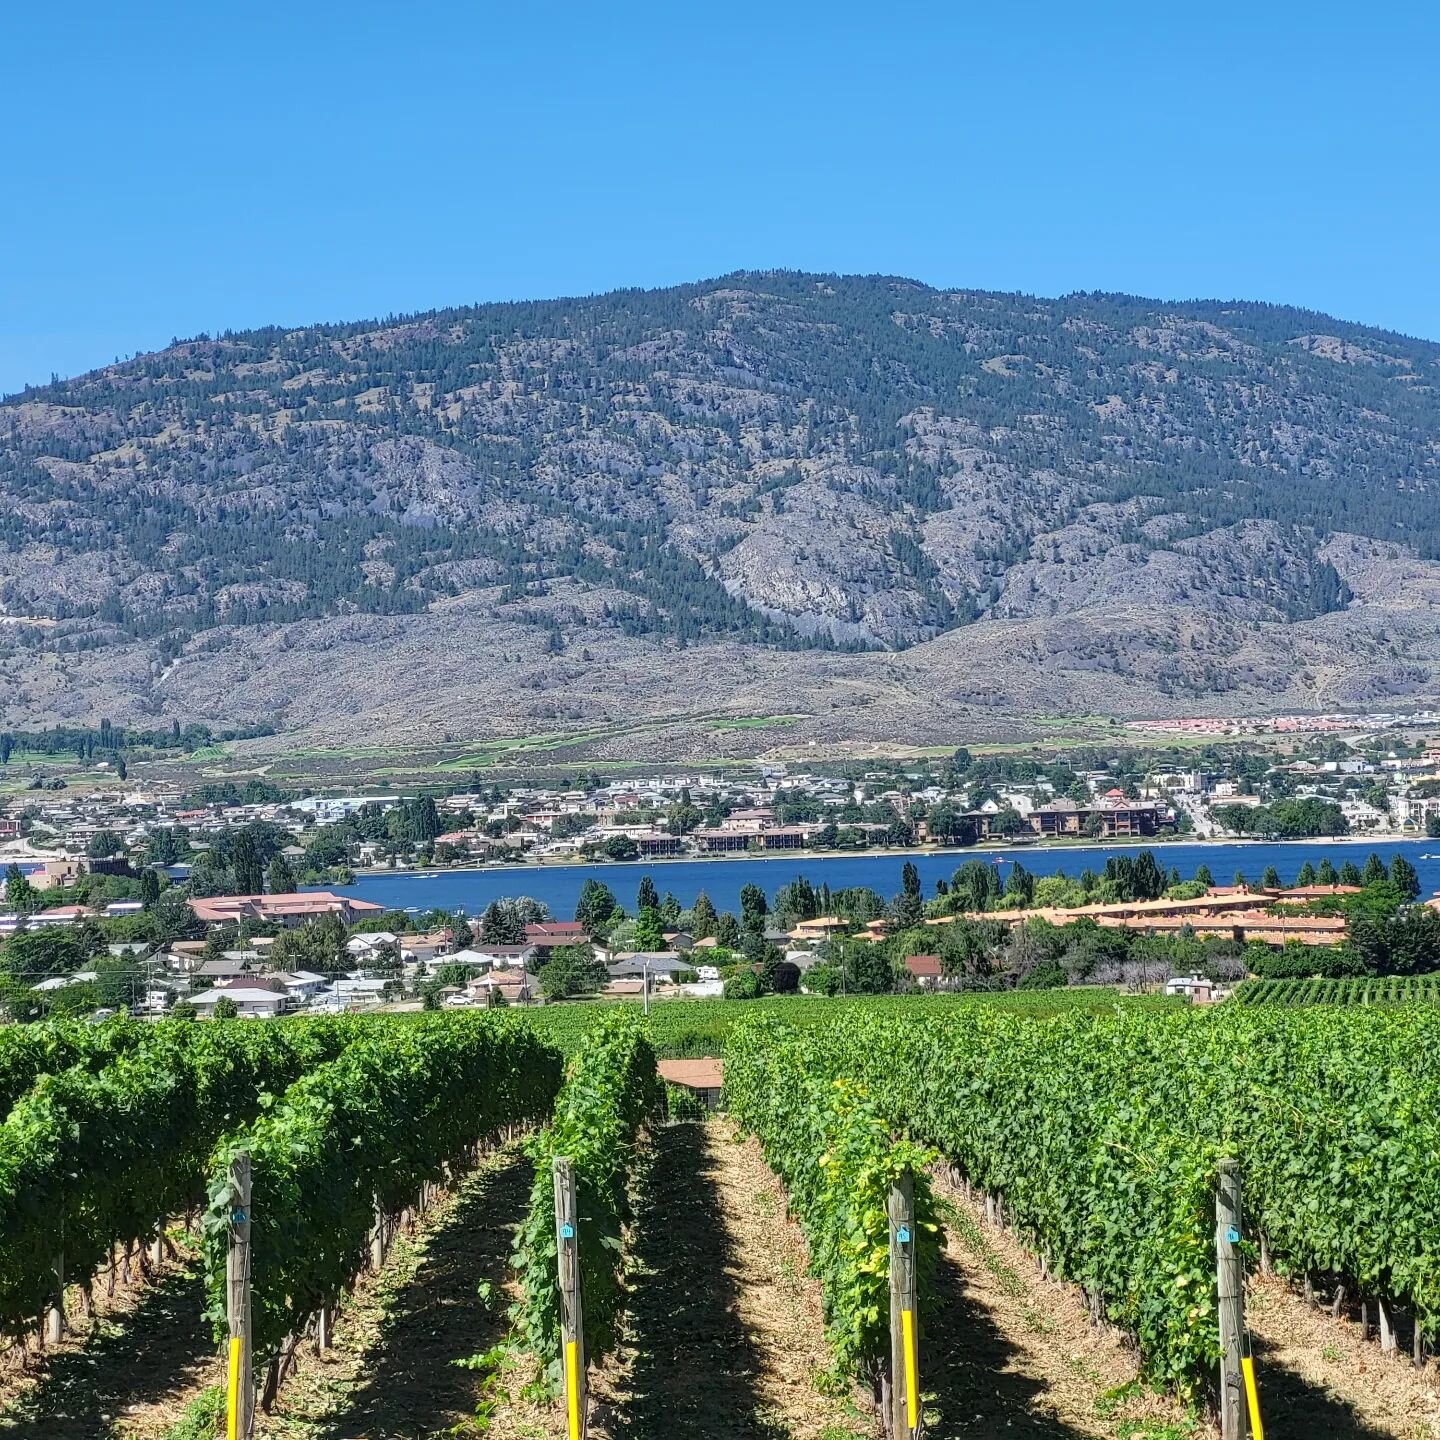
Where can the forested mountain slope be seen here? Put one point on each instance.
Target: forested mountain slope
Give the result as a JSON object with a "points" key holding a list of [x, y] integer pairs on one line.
{"points": [[804, 479]]}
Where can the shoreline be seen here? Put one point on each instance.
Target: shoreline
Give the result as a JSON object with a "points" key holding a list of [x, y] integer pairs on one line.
{"points": [[1003, 853]]}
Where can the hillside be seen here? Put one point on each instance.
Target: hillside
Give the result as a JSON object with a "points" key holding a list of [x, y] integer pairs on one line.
{"points": [[885, 508]]}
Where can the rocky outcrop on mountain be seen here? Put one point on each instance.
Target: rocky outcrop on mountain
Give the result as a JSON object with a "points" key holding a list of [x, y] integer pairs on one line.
{"points": [[857, 499]]}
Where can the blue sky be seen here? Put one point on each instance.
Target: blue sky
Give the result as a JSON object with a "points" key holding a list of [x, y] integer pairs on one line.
{"points": [[172, 167]]}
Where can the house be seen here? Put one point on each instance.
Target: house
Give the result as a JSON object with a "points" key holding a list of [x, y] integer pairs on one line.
{"points": [[227, 967], [656, 963], [514, 986], [623, 989], [702, 1078], [60, 982], [255, 999], [568, 932], [499, 957], [303, 984], [820, 928], [554, 935], [61, 915], [373, 940], [1197, 989], [924, 970], [437, 945], [358, 990]]}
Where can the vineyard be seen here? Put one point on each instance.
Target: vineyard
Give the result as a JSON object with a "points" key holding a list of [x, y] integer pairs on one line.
{"points": [[1383, 990], [1060, 1147]]}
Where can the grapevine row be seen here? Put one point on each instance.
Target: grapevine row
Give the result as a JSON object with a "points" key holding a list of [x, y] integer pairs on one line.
{"points": [[680, 1029], [93, 1159], [1102, 1135], [829, 1143], [611, 1088], [29, 1051], [354, 1140], [1379, 990]]}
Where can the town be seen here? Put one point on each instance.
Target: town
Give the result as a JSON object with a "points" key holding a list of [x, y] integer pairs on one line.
{"points": [[220, 898]]}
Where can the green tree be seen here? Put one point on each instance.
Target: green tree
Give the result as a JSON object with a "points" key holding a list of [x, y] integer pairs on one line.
{"points": [[1374, 872], [906, 911], [245, 864], [753, 907], [1204, 877], [1306, 875], [1270, 880], [1007, 822], [1327, 874], [1404, 877], [149, 888], [225, 1009], [20, 894], [647, 897], [797, 900], [1350, 874], [119, 982], [571, 970], [868, 970], [681, 819], [1019, 885], [649, 929], [822, 979], [595, 907], [501, 925], [280, 878], [703, 918], [743, 985], [30, 956], [103, 844], [727, 931]]}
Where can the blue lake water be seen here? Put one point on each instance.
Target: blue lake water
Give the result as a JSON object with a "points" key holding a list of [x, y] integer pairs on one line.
{"points": [[558, 886]]}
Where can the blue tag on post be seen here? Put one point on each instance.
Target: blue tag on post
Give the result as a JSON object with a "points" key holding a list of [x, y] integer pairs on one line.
{"points": [[567, 1231], [902, 1234]]}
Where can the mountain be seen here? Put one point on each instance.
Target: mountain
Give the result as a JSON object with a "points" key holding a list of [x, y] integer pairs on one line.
{"points": [[855, 500]]}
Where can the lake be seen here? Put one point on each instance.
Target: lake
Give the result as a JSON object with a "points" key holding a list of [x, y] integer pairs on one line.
{"points": [[558, 886]]}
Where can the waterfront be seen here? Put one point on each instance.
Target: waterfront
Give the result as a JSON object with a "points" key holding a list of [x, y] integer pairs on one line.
{"points": [[558, 886]]}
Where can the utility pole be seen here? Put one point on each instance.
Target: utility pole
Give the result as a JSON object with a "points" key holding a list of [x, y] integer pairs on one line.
{"points": [[241, 1390], [572, 1324]]}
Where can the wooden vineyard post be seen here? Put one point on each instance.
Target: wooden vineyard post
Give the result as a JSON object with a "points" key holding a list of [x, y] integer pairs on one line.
{"points": [[572, 1328], [905, 1418], [55, 1312], [1230, 1286], [240, 1392]]}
